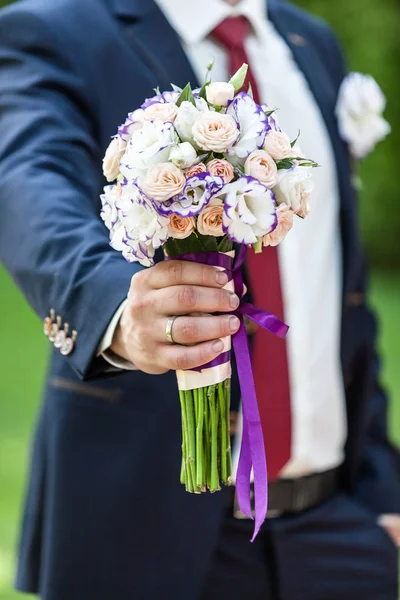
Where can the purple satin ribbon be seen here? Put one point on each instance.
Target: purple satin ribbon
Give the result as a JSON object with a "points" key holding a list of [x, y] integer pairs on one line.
{"points": [[252, 450]]}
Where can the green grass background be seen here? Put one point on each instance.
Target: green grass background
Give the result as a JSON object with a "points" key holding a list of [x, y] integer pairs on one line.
{"points": [[369, 32]]}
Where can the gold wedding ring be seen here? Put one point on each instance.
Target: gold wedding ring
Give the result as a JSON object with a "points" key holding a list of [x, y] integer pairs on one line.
{"points": [[168, 329]]}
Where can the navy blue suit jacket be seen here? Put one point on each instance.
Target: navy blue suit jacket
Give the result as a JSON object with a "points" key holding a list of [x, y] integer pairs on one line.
{"points": [[104, 501]]}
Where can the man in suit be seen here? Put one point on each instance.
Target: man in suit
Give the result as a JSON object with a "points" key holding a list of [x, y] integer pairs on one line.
{"points": [[106, 516]]}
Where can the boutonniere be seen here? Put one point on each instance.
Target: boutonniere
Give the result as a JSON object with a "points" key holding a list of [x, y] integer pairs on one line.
{"points": [[359, 111]]}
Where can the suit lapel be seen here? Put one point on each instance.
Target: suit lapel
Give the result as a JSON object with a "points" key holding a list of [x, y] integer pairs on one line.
{"points": [[148, 31], [311, 63]]}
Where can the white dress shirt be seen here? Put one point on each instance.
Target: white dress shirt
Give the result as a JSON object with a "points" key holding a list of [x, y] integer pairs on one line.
{"points": [[310, 256]]}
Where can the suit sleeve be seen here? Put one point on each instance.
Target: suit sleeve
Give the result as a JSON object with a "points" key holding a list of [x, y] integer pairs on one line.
{"points": [[52, 239], [378, 481]]}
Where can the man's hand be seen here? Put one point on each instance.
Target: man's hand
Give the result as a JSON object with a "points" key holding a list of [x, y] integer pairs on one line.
{"points": [[173, 288]]}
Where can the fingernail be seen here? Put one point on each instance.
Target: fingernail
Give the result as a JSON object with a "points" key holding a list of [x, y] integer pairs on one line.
{"points": [[218, 346], [233, 323], [222, 277], [234, 301]]}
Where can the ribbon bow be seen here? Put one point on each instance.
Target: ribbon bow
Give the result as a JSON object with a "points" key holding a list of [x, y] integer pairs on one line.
{"points": [[252, 451]]}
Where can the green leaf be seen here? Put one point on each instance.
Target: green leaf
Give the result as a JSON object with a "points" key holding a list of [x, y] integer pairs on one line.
{"points": [[202, 93], [157, 90], [237, 80], [186, 96], [225, 244], [294, 141], [285, 163], [250, 91], [270, 112]]}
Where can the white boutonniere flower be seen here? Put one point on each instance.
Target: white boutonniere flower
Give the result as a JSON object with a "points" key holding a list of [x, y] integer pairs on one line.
{"points": [[359, 111]]}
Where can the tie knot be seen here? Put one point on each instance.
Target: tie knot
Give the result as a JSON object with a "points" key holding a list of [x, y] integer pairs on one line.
{"points": [[232, 32]]}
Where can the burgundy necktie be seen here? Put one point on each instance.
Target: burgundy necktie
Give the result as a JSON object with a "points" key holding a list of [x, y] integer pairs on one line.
{"points": [[269, 353]]}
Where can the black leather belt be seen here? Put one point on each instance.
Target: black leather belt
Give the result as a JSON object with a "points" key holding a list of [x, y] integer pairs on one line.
{"points": [[293, 495]]}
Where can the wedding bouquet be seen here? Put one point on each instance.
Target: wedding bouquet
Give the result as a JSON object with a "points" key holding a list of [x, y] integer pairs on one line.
{"points": [[194, 171]]}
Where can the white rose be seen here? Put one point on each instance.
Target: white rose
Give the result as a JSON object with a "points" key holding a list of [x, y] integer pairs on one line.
{"points": [[359, 109], [293, 187], [183, 155], [148, 146], [165, 111], [277, 144], [220, 93], [111, 160], [215, 131], [187, 114]]}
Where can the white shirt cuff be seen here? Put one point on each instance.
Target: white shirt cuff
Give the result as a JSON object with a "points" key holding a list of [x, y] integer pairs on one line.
{"points": [[106, 341]]}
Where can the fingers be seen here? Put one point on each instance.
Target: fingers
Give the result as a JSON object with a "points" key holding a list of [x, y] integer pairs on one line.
{"points": [[186, 299], [192, 330], [179, 272], [188, 357]]}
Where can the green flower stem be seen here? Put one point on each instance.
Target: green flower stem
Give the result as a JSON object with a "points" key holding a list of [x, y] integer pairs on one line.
{"points": [[191, 435], [205, 439], [214, 478], [199, 438], [183, 465], [185, 448], [227, 392], [224, 429]]}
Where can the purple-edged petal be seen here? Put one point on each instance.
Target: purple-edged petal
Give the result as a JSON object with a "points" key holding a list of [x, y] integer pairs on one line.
{"points": [[169, 96], [249, 210], [197, 193], [252, 123]]}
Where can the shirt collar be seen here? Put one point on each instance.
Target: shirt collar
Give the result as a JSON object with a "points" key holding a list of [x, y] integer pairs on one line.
{"points": [[194, 21]]}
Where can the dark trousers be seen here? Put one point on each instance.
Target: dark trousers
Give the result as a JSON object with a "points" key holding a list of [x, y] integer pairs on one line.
{"points": [[336, 551]]}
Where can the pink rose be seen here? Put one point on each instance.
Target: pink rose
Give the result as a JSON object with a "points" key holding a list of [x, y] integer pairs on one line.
{"points": [[165, 111], [221, 168], [263, 167], [111, 160], [163, 181], [215, 131], [209, 221], [277, 144], [180, 227], [219, 93], [195, 170], [285, 222]]}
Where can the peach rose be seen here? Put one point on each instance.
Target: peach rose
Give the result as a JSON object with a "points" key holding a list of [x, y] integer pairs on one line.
{"points": [[219, 93], [277, 144], [180, 227], [304, 209], [285, 222], [111, 160], [215, 131], [164, 111], [221, 168], [209, 221], [263, 167], [163, 181], [196, 169]]}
